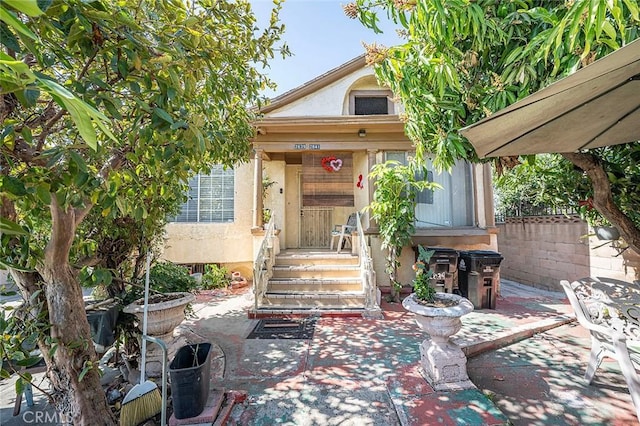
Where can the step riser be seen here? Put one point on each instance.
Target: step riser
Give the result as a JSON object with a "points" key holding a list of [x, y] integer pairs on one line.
{"points": [[317, 260], [292, 312], [313, 303], [320, 282], [302, 287], [314, 274]]}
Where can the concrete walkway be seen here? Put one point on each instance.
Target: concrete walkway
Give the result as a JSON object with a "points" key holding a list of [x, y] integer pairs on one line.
{"points": [[357, 371]]}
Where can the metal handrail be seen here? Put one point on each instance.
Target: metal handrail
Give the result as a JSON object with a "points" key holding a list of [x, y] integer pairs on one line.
{"points": [[367, 273], [263, 265]]}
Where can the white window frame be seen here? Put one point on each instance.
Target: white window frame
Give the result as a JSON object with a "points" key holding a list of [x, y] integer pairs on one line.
{"points": [[371, 94], [208, 206]]}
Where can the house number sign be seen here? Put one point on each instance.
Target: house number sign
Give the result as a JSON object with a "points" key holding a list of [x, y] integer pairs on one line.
{"points": [[304, 146]]}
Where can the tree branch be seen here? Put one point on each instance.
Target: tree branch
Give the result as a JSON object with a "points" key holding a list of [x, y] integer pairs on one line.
{"points": [[115, 162], [603, 198], [48, 126], [25, 153]]}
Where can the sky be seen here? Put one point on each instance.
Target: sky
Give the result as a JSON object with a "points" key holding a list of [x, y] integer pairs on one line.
{"points": [[320, 37]]}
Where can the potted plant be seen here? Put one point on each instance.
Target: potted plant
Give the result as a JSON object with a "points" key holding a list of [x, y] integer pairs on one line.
{"points": [[438, 314], [172, 286], [215, 277]]}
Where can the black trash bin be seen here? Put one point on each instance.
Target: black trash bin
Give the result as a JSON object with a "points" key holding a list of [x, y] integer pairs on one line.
{"points": [[444, 264], [479, 277], [189, 373]]}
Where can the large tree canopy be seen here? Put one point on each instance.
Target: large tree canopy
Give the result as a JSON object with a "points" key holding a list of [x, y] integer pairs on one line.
{"points": [[107, 107], [464, 60]]}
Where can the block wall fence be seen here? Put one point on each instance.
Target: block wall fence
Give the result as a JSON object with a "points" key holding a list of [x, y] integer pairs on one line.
{"points": [[542, 250]]}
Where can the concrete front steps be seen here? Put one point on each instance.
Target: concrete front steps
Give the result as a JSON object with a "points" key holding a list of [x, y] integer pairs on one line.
{"points": [[313, 282]]}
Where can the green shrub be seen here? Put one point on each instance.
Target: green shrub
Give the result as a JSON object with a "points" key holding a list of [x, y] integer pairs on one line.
{"points": [[421, 284], [215, 277], [167, 277]]}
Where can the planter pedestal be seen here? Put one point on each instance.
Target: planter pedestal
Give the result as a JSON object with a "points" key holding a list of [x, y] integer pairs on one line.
{"points": [[162, 319], [444, 363]]}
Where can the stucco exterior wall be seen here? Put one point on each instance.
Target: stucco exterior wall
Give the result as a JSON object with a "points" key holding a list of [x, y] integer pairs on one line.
{"points": [[541, 251], [226, 243], [332, 99], [407, 257]]}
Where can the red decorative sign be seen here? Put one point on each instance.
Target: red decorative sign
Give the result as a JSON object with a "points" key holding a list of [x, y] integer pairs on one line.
{"points": [[331, 164]]}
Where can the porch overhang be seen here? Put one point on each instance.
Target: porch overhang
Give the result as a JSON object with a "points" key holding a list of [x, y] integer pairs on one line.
{"points": [[291, 134], [349, 124]]}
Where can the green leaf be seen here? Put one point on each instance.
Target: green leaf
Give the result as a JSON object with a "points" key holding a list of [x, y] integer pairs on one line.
{"points": [[43, 193], [633, 9], [28, 362], [11, 228], [7, 265], [76, 158], [85, 370], [8, 39], [112, 108], [10, 19], [20, 385], [28, 7], [83, 115], [12, 185], [163, 115], [14, 75], [28, 97]]}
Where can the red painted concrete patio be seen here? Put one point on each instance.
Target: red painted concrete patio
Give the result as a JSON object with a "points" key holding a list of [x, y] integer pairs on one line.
{"points": [[357, 371]]}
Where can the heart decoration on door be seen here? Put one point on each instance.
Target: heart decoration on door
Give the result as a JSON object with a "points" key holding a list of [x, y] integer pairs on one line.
{"points": [[331, 164]]}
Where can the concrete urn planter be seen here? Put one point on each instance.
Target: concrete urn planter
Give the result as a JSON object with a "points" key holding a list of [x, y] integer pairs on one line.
{"points": [[164, 316], [443, 361], [165, 313]]}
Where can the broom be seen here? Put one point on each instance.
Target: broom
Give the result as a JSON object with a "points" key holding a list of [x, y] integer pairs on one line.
{"points": [[143, 401]]}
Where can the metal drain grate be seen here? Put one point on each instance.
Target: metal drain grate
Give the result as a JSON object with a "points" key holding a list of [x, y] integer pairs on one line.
{"points": [[284, 329]]}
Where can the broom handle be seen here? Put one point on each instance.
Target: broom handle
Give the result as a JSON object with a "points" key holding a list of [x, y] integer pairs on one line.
{"points": [[144, 320], [163, 346]]}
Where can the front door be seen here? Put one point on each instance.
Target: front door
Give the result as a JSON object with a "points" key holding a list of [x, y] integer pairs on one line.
{"points": [[315, 227]]}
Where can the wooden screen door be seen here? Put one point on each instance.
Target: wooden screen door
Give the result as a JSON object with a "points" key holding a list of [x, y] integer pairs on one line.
{"points": [[316, 224]]}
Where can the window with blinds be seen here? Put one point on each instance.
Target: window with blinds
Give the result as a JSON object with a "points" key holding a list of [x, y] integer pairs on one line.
{"points": [[210, 197]]}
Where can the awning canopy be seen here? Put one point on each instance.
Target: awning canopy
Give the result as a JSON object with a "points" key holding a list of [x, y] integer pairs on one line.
{"points": [[599, 105]]}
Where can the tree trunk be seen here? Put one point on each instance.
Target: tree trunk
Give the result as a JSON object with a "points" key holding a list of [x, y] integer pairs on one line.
{"points": [[393, 274], [82, 401], [603, 199]]}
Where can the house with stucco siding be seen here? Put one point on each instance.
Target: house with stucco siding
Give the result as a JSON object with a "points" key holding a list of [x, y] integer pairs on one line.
{"points": [[317, 144]]}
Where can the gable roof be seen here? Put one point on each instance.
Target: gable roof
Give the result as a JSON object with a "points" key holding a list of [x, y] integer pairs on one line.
{"points": [[317, 83]]}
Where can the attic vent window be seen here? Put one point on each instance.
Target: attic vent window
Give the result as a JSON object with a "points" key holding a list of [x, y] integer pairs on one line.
{"points": [[370, 102], [370, 105]]}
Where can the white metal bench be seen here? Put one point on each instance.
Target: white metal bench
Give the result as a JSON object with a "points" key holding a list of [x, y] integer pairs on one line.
{"points": [[610, 310]]}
